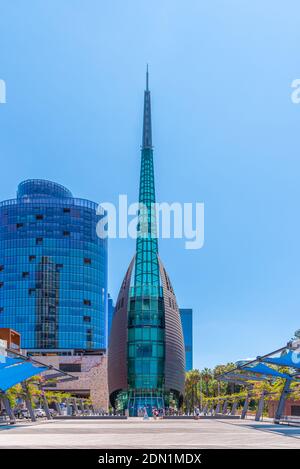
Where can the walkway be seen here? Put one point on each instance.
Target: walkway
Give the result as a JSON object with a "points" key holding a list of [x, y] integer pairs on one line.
{"points": [[150, 434]]}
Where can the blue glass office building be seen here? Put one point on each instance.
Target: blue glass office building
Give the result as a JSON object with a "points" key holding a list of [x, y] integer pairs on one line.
{"points": [[186, 315], [53, 269]]}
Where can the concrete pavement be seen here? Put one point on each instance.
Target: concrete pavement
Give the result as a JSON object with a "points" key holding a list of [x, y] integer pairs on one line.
{"points": [[136, 433]]}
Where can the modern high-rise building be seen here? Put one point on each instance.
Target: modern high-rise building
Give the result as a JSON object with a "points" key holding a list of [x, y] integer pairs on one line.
{"points": [[186, 315], [146, 361], [53, 269]]}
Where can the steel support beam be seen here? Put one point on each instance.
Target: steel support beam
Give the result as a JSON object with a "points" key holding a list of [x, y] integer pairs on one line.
{"points": [[87, 408], [69, 408], [75, 406], [234, 407], [260, 407], [8, 409], [28, 402], [46, 406], [245, 408], [284, 395], [81, 405], [224, 407], [58, 408]]}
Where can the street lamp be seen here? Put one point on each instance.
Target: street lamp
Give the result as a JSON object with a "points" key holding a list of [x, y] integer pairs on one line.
{"points": [[201, 406]]}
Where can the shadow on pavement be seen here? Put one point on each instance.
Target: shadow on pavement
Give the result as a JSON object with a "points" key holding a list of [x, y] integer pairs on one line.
{"points": [[284, 430]]}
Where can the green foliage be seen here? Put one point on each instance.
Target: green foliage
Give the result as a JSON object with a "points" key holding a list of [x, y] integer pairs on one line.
{"points": [[204, 387], [13, 394], [54, 396], [34, 391]]}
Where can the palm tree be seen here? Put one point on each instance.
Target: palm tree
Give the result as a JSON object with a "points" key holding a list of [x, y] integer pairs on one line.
{"points": [[206, 376], [191, 390]]}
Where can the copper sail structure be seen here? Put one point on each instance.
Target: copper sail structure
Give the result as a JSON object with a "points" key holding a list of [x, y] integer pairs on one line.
{"points": [[146, 360]]}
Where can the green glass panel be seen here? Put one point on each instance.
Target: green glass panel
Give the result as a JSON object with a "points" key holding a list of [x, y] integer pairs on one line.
{"points": [[146, 336]]}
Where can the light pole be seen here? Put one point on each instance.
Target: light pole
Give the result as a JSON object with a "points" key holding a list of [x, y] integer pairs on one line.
{"points": [[201, 392]]}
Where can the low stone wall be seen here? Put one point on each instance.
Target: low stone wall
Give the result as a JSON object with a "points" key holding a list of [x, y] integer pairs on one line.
{"points": [[90, 417], [201, 417]]}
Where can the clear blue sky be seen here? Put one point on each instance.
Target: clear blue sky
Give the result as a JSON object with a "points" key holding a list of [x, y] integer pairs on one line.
{"points": [[225, 133]]}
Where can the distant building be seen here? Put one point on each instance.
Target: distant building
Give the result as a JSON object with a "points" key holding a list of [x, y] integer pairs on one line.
{"points": [[11, 337], [110, 314], [186, 315], [91, 371], [291, 408], [3, 347]]}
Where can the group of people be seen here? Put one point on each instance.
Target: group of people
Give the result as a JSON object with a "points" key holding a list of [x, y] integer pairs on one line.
{"points": [[145, 413], [157, 413]]}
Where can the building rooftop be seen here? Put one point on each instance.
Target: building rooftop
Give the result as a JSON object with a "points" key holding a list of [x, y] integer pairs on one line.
{"points": [[42, 188]]}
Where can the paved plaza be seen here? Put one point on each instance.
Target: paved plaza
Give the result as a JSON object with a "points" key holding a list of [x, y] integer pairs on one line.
{"points": [[136, 433]]}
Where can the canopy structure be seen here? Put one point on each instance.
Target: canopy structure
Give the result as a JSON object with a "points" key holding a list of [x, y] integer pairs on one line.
{"points": [[254, 372], [258, 370], [5, 361], [290, 359], [265, 370], [16, 370], [240, 378], [19, 369]]}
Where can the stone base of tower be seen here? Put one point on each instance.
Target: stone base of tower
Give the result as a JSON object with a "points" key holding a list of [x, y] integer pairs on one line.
{"points": [[174, 360]]}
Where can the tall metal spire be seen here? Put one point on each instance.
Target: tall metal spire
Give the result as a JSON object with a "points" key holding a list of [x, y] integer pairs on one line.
{"points": [[147, 128], [147, 79], [146, 265]]}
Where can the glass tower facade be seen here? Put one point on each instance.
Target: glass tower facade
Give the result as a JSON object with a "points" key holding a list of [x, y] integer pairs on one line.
{"points": [[53, 269], [186, 316], [146, 352]]}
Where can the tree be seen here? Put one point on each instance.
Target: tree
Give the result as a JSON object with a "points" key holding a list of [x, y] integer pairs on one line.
{"points": [[192, 392], [207, 377]]}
